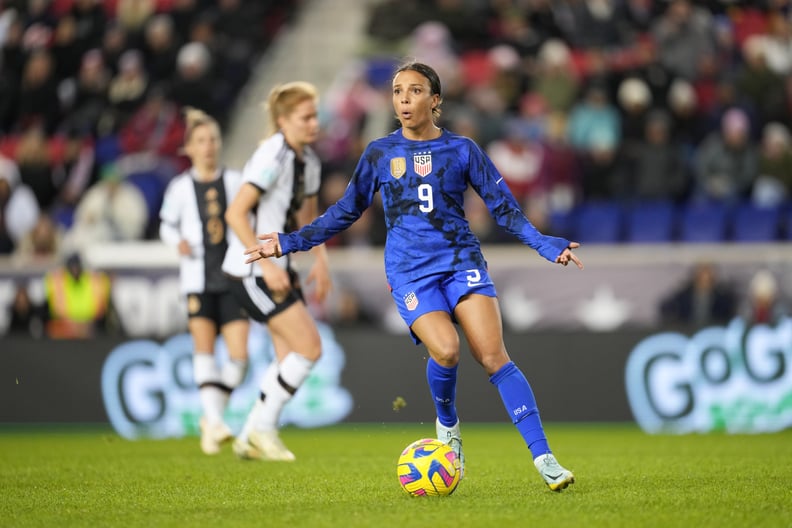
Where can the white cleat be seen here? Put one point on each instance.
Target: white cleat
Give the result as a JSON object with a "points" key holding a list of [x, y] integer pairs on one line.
{"points": [[555, 476], [245, 450], [213, 436], [269, 446], [452, 437]]}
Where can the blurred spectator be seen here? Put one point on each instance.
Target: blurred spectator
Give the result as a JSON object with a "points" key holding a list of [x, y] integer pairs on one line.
{"points": [[193, 83], [593, 129], [114, 44], [35, 159], [19, 209], [553, 78], [88, 100], [13, 53], [727, 161], [389, 21], [513, 26], [703, 299], [684, 33], [594, 121], [518, 158], [133, 14], [90, 20], [112, 210], [27, 318], [78, 300], [763, 303], [66, 52], [38, 98], [654, 168], [758, 85], [151, 139], [635, 101], [777, 43], [128, 89], [160, 48], [592, 24], [432, 43], [687, 125], [774, 184], [41, 244], [561, 171], [182, 13]]}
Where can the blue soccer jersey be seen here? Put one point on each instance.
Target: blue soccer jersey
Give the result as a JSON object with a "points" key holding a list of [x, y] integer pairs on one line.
{"points": [[422, 184]]}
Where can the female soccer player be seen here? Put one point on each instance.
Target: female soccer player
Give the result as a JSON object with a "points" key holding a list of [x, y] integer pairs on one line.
{"points": [[433, 262], [279, 188], [192, 220]]}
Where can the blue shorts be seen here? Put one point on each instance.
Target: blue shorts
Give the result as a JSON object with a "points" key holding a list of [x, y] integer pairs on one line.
{"points": [[440, 292]]}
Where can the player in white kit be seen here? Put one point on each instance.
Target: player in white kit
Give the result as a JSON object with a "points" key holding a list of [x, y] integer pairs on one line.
{"points": [[279, 190], [192, 220]]}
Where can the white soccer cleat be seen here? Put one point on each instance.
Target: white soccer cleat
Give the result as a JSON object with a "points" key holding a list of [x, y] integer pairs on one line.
{"points": [[213, 436], [555, 476], [452, 437], [269, 446], [245, 450]]}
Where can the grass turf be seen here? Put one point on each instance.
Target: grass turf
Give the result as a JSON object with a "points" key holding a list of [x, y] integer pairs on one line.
{"points": [[345, 476]]}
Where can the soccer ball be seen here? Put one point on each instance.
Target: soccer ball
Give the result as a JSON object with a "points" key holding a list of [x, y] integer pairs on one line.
{"points": [[428, 467]]}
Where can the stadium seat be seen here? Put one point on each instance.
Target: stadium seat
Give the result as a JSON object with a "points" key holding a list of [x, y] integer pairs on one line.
{"points": [[650, 222], [561, 223], [598, 223], [751, 223], [704, 222]]}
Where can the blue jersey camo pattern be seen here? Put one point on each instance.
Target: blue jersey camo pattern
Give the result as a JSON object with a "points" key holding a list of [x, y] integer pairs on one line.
{"points": [[422, 184]]}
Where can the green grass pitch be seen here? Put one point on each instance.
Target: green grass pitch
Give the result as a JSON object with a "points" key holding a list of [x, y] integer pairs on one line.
{"points": [[345, 476]]}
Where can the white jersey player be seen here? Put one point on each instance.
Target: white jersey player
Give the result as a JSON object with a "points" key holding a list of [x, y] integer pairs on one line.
{"points": [[279, 190], [192, 219]]}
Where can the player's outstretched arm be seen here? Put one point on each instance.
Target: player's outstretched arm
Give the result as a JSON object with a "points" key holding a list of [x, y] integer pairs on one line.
{"points": [[270, 247], [568, 256]]}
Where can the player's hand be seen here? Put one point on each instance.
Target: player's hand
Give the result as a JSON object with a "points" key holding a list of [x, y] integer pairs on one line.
{"points": [[276, 278], [567, 256], [320, 277], [270, 247], [184, 248]]}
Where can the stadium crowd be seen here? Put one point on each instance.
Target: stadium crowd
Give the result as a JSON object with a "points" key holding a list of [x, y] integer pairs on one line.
{"points": [[612, 120], [90, 99]]}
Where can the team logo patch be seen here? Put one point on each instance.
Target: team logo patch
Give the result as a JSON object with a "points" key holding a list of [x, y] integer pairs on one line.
{"points": [[422, 163], [411, 301], [398, 166]]}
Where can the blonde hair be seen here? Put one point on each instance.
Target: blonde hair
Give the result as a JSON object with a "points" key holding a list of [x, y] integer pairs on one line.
{"points": [[193, 118], [283, 98]]}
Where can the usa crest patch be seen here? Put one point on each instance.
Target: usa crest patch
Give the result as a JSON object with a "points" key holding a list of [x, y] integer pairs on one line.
{"points": [[422, 163], [411, 301]]}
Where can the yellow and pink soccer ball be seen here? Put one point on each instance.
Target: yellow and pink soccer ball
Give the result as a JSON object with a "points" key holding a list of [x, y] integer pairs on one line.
{"points": [[428, 467]]}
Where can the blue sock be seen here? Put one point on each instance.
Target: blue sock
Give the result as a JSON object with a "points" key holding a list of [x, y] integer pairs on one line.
{"points": [[520, 403], [442, 383]]}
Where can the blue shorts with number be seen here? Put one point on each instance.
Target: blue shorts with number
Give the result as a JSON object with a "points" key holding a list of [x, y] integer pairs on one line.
{"points": [[439, 292]]}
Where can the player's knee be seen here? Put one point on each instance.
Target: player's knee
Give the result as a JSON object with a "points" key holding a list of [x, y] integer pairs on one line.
{"points": [[446, 353], [492, 363], [312, 349]]}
